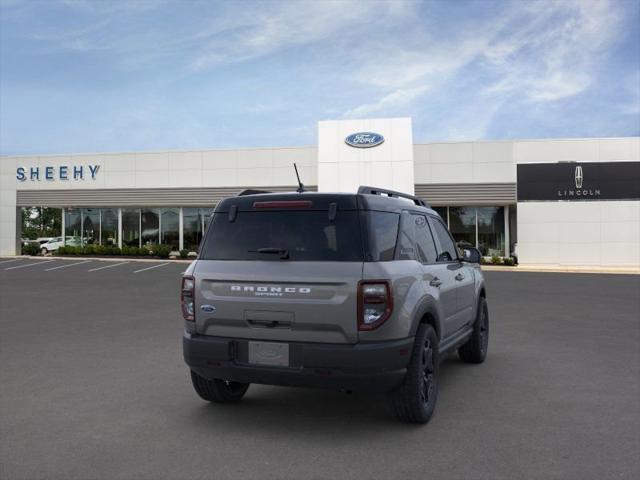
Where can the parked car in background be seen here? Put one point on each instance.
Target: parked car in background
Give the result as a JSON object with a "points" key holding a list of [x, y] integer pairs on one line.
{"points": [[53, 244]]}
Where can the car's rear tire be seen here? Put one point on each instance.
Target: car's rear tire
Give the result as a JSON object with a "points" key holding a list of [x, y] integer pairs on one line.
{"points": [[415, 399], [475, 349], [218, 391]]}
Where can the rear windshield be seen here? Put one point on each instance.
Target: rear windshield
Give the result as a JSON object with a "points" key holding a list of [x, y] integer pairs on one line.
{"points": [[284, 236]]}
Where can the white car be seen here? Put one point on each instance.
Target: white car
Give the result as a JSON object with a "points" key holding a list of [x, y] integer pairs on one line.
{"points": [[52, 245], [57, 242]]}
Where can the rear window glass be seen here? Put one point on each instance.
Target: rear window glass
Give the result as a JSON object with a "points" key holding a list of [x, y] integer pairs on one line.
{"points": [[284, 236]]}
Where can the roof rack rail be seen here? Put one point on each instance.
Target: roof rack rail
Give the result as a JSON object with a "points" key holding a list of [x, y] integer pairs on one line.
{"points": [[250, 191], [391, 193]]}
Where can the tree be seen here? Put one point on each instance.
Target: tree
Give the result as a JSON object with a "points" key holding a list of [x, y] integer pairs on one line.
{"points": [[41, 222]]}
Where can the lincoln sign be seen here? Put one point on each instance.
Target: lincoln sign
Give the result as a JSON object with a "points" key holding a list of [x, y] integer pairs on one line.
{"points": [[576, 181]]}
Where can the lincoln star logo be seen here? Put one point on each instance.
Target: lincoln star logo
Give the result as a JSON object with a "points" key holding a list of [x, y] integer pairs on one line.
{"points": [[580, 191], [364, 139], [579, 177]]}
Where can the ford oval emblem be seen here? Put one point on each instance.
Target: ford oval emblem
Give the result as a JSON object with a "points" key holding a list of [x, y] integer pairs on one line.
{"points": [[208, 308], [364, 139]]}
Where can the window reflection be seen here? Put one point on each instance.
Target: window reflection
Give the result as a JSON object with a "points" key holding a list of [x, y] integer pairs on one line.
{"points": [[72, 226], [462, 225], [109, 227], [170, 232], [131, 227], [150, 220], [491, 230], [191, 228], [90, 226]]}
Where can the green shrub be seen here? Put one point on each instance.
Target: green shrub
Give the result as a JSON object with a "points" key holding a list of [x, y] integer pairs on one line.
{"points": [[482, 261], [163, 251], [31, 249], [112, 250], [89, 250], [496, 260], [184, 253], [144, 251], [508, 261]]}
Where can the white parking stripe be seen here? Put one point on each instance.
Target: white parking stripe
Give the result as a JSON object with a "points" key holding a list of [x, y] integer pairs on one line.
{"points": [[149, 268], [9, 261], [65, 266], [30, 264], [108, 266]]}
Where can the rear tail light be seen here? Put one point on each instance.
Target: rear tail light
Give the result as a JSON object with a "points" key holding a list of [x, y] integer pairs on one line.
{"points": [[187, 298], [375, 303]]}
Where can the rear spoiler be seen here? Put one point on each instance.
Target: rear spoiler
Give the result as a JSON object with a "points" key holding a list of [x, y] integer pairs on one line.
{"points": [[364, 190]]}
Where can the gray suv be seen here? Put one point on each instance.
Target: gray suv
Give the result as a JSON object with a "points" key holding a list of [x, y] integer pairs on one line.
{"points": [[357, 292]]}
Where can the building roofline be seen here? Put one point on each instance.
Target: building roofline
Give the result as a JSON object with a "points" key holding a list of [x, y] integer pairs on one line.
{"points": [[315, 147]]}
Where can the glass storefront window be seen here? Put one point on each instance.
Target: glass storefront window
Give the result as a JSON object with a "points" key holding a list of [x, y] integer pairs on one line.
{"points": [[72, 226], [109, 227], [462, 225], [150, 220], [206, 216], [491, 230], [442, 211], [170, 232], [191, 228], [131, 227], [90, 226]]}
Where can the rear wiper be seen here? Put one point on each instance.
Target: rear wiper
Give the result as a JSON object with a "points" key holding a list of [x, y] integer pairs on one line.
{"points": [[283, 252]]}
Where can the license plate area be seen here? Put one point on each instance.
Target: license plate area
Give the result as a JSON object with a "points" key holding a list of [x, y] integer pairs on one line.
{"points": [[269, 353]]}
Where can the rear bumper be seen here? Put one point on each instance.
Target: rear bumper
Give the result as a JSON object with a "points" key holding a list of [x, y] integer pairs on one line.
{"points": [[373, 367]]}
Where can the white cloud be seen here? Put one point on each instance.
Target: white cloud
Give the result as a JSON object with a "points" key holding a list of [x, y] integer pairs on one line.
{"points": [[395, 99], [534, 51]]}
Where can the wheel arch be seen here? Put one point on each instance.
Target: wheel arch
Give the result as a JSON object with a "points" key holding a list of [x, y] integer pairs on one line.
{"points": [[427, 313]]}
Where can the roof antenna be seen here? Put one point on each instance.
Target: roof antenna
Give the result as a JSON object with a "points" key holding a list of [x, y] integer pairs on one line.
{"points": [[300, 185]]}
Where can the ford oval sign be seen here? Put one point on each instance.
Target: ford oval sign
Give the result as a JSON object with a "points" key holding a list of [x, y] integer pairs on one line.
{"points": [[364, 139]]}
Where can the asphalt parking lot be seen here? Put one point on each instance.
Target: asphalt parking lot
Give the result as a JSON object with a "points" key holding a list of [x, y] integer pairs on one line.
{"points": [[93, 386]]}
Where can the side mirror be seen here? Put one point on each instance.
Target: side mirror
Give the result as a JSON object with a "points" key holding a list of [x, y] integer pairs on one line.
{"points": [[471, 255]]}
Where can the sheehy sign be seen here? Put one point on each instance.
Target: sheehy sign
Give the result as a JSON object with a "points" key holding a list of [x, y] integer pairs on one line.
{"points": [[61, 172], [575, 181]]}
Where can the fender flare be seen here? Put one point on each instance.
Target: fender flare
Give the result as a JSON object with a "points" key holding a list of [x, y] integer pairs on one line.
{"points": [[427, 306]]}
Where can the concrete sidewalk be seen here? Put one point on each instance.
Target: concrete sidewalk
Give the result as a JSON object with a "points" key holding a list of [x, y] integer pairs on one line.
{"points": [[563, 269]]}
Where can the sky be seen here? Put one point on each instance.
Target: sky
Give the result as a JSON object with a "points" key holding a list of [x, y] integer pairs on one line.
{"points": [[111, 76]]}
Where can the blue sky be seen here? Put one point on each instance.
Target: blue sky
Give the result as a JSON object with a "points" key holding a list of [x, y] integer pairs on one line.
{"points": [[100, 76]]}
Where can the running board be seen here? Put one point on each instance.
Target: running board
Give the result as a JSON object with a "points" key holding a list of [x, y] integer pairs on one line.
{"points": [[453, 342]]}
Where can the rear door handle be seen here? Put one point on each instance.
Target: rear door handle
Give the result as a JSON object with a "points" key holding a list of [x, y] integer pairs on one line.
{"points": [[436, 282], [459, 277]]}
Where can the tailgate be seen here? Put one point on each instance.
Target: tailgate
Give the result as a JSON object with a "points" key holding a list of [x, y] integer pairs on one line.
{"points": [[282, 301]]}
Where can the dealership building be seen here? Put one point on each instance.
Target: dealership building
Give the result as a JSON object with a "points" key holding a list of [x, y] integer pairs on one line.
{"points": [[559, 202]]}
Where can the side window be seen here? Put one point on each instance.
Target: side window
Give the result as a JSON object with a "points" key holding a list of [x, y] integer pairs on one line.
{"points": [[424, 240], [384, 233], [406, 243], [447, 251]]}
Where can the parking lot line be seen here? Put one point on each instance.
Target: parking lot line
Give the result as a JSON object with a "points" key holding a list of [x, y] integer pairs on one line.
{"points": [[65, 266], [108, 266], [149, 268], [9, 261], [30, 264]]}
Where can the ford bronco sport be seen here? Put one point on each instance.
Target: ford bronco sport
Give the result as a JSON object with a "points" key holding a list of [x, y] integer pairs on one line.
{"points": [[357, 292]]}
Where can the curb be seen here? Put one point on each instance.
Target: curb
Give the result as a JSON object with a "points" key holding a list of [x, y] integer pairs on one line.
{"points": [[560, 269]]}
